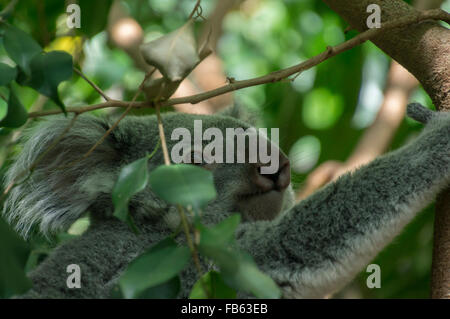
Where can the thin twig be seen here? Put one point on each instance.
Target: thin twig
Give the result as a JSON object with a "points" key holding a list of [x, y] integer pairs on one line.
{"points": [[196, 7], [193, 248], [96, 88], [276, 76], [93, 107], [162, 137], [191, 244]]}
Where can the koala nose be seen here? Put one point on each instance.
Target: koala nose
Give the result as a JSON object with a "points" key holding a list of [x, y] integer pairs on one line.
{"points": [[275, 181]]}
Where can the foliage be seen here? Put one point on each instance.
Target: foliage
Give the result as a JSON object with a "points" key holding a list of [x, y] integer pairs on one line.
{"points": [[160, 264], [43, 71], [185, 185], [261, 37], [13, 256], [132, 179], [191, 187]]}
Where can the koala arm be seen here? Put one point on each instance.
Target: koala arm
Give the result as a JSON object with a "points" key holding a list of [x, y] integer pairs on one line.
{"points": [[102, 253], [324, 241]]}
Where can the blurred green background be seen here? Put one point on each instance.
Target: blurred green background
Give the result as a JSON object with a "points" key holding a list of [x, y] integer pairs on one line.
{"points": [[323, 112]]}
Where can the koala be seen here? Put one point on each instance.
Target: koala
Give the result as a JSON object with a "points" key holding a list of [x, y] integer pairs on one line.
{"points": [[310, 249]]}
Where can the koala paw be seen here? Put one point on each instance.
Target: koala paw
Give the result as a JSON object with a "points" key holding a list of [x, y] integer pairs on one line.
{"points": [[419, 112], [433, 120]]}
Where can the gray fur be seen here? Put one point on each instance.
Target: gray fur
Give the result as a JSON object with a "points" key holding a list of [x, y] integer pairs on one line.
{"points": [[310, 250], [419, 113], [54, 198]]}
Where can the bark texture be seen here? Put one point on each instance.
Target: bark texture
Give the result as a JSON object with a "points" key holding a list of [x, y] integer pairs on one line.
{"points": [[424, 50]]}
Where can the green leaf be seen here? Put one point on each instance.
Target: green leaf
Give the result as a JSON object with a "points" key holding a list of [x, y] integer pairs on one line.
{"points": [[216, 242], [132, 179], [94, 16], [116, 293], [174, 54], [221, 234], [48, 70], [183, 184], [237, 268], [7, 74], [16, 115], [214, 283], [13, 257], [224, 257], [32, 261], [166, 290], [20, 46], [250, 279], [3, 110], [240, 271], [161, 263]]}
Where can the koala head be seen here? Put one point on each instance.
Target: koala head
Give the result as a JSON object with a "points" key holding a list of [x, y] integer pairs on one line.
{"points": [[63, 187], [242, 185]]}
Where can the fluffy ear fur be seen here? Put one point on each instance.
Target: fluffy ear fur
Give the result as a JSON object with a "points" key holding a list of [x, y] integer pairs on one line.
{"points": [[62, 186]]}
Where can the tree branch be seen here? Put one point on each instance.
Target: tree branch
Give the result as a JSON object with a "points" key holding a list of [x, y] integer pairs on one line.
{"points": [[274, 76], [423, 49], [125, 33]]}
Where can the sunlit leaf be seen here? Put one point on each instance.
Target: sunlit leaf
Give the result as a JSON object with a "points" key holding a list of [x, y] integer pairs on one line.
{"points": [[13, 257], [175, 54], [132, 179], [3, 107], [183, 184], [20, 46], [69, 44], [79, 226], [161, 263], [16, 115], [7, 74], [215, 285], [321, 109]]}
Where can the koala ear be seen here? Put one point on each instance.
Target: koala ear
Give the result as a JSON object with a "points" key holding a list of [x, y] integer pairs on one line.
{"points": [[62, 186], [240, 112]]}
